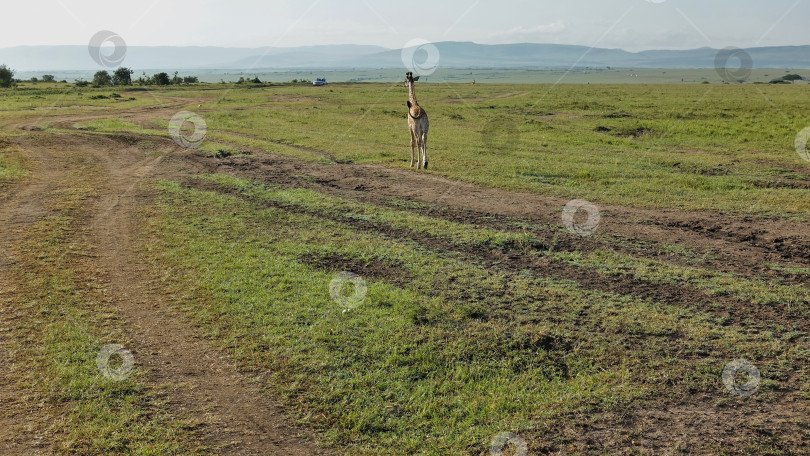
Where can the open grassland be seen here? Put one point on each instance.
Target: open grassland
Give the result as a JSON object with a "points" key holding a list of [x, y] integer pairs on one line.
{"points": [[482, 313], [726, 148]]}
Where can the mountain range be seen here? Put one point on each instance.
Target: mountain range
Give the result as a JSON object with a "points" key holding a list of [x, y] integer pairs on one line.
{"points": [[446, 54]]}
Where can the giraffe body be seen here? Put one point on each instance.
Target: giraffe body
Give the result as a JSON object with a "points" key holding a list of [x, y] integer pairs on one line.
{"points": [[418, 125]]}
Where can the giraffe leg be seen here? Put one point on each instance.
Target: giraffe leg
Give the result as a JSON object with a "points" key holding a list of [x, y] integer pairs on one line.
{"points": [[424, 151], [419, 152], [413, 151]]}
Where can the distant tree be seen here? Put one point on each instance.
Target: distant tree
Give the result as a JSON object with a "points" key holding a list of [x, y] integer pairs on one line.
{"points": [[34, 80], [191, 79], [161, 79], [176, 79], [255, 80], [6, 76], [122, 76], [48, 78], [241, 80], [779, 81], [82, 83], [793, 78], [102, 78]]}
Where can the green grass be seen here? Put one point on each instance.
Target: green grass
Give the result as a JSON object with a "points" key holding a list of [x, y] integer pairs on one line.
{"points": [[13, 164], [456, 233], [442, 354], [445, 351], [757, 291], [725, 148]]}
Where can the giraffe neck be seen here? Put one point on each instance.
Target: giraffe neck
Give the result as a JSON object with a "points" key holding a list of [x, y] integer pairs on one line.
{"points": [[412, 94]]}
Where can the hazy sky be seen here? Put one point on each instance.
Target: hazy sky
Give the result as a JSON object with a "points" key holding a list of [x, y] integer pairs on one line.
{"points": [[628, 24]]}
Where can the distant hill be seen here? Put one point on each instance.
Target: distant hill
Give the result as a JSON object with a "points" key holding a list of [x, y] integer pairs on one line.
{"points": [[451, 55]]}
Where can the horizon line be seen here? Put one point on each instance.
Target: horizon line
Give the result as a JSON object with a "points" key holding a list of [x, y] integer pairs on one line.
{"points": [[398, 49]]}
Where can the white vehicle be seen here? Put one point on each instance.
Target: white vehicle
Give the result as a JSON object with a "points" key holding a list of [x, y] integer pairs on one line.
{"points": [[320, 82]]}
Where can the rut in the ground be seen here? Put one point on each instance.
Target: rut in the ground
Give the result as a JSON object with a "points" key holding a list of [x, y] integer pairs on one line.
{"points": [[235, 416]]}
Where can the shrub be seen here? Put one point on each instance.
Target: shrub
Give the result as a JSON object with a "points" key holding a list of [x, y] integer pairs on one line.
{"points": [[122, 76], [102, 78], [161, 79], [6, 76]]}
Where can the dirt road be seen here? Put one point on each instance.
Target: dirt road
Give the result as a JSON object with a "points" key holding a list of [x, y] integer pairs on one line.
{"points": [[234, 416]]}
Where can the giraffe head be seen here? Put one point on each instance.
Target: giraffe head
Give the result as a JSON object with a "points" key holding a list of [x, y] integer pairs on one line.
{"points": [[409, 79]]}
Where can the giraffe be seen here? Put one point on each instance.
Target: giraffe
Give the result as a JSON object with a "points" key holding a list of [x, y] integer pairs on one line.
{"points": [[417, 123]]}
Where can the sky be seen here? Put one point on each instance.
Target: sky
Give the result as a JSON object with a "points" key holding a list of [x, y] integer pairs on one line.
{"points": [[633, 25]]}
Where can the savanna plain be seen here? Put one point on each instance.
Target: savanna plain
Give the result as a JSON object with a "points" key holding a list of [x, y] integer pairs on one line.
{"points": [[475, 314]]}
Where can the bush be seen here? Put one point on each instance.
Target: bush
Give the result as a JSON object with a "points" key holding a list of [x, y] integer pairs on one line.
{"points": [[6, 76], [102, 78], [48, 78], [191, 79], [161, 79], [81, 83], [122, 76]]}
